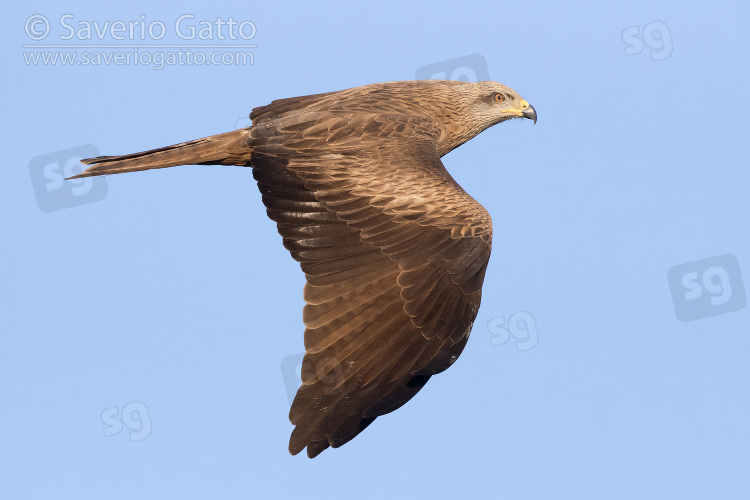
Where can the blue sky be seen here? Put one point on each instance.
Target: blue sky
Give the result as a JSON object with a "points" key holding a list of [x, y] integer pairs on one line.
{"points": [[146, 317]]}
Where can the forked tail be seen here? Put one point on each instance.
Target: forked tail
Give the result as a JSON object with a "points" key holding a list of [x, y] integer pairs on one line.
{"points": [[230, 148]]}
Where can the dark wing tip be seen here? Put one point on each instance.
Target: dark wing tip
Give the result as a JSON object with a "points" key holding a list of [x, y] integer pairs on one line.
{"points": [[315, 448]]}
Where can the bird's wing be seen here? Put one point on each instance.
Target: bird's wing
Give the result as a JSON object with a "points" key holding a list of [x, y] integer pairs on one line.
{"points": [[394, 252]]}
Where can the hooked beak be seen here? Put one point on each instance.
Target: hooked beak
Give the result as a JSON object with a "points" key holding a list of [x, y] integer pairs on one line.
{"points": [[528, 111]]}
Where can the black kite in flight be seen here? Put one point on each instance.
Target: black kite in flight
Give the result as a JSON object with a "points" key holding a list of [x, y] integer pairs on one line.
{"points": [[394, 250]]}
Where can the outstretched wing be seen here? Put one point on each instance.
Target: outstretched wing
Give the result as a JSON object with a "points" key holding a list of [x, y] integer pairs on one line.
{"points": [[394, 252]]}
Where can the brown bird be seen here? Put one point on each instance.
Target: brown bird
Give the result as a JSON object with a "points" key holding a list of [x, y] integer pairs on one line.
{"points": [[393, 249]]}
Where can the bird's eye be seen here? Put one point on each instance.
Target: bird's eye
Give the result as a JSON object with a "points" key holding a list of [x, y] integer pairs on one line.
{"points": [[499, 97]]}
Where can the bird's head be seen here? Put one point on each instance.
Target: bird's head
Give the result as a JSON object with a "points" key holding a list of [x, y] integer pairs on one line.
{"points": [[466, 109], [495, 103]]}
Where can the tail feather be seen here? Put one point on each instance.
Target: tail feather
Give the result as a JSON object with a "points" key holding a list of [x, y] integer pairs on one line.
{"points": [[230, 148]]}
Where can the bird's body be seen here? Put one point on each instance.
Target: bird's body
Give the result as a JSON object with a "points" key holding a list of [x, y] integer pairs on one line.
{"points": [[393, 249]]}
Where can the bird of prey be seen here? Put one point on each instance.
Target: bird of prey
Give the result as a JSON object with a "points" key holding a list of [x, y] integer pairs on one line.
{"points": [[393, 249]]}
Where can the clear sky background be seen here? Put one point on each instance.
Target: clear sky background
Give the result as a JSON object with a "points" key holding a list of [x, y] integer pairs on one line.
{"points": [[145, 319]]}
